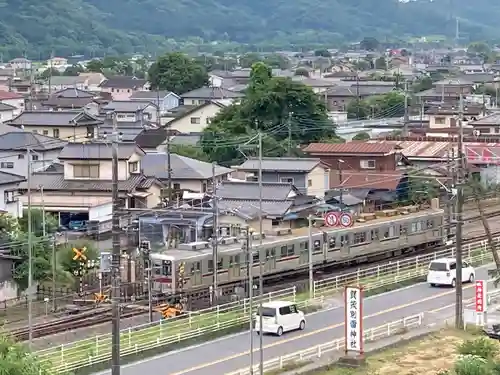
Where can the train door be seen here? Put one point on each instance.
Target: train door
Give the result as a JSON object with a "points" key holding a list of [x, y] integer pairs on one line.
{"points": [[304, 252], [234, 267], [271, 259], [197, 276]]}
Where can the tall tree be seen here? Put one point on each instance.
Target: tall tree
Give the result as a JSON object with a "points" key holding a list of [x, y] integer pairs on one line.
{"points": [[369, 44], [178, 73]]}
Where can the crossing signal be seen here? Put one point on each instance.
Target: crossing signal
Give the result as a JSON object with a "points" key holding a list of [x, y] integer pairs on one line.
{"points": [[100, 297]]}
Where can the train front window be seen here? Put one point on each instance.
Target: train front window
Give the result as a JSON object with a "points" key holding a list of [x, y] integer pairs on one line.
{"points": [[162, 267]]}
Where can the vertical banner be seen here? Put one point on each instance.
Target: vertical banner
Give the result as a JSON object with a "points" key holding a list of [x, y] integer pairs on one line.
{"points": [[353, 320], [481, 300]]}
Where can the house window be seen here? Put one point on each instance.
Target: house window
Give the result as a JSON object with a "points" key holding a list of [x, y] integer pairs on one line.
{"points": [[133, 167], [90, 132], [367, 164], [45, 132], [34, 157], [177, 186], [7, 164], [55, 133], [86, 171], [286, 180], [195, 120], [20, 156], [309, 183], [209, 120], [8, 196], [440, 120]]}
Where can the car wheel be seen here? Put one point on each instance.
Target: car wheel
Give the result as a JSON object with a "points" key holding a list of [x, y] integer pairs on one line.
{"points": [[471, 278], [302, 325], [453, 283], [280, 331]]}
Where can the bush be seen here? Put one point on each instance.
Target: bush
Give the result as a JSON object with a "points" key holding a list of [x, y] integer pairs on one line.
{"points": [[472, 365], [481, 347]]}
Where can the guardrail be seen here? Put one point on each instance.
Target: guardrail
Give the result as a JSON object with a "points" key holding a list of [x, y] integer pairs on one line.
{"points": [[68, 357], [309, 354]]}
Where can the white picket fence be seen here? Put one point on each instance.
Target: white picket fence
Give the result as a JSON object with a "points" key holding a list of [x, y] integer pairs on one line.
{"points": [[78, 354], [318, 351]]}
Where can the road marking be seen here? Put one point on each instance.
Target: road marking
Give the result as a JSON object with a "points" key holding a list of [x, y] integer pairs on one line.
{"points": [[311, 333]]}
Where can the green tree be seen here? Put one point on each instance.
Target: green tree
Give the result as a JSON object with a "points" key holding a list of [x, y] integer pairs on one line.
{"points": [[178, 73], [73, 70], [50, 72], [277, 61], [15, 359], [363, 136], [65, 255], [51, 222], [381, 63], [194, 152], [369, 44], [266, 107], [323, 53], [302, 72], [95, 66], [422, 84], [247, 60]]}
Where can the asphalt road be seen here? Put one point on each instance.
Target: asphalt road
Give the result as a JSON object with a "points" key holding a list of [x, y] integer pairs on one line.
{"points": [[232, 353]]}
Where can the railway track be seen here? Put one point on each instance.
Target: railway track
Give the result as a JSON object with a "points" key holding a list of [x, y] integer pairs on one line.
{"points": [[102, 314]]}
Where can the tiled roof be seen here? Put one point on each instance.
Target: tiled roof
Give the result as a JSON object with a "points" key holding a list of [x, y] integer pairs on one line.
{"points": [[54, 118], [6, 95], [19, 140], [349, 148], [211, 93], [62, 102], [250, 208], [122, 82], [151, 95], [183, 168], [66, 80], [419, 149], [365, 180], [151, 138], [493, 119], [362, 90], [250, 190], [6, 107], [98, 151], [280, 164], [55, 181], [72, 93], [10, 178], [126, 105]]}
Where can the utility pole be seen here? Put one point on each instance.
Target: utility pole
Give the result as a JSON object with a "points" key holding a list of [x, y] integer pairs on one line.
{"points": [[44, 228], [250, 293], [459, 321], [451, 184], [290, 133], [169, 168], [215, 235], [30, 257], [261, 278], [115, 282], [310, 260], [406, 118], [54, 306]]}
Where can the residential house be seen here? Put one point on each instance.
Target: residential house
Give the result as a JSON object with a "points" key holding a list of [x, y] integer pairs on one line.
{"points": [[339, 97], [71, 99], [57, 83], [9, 201], [6, 75], [444, 118], [121, 87], [207, 94], [283, 205], [488, 126], [14, 157], [13, 99], [57, 62], [196, 118], [73, 126], [187, 174], [6, 112], [356, 156], [446, 91], [84, 188], [166, 100], [128, 129], [20, 86], [308, 175], [128, 110], [93, 80], [151, 140], [20, 63], [317, 85]]}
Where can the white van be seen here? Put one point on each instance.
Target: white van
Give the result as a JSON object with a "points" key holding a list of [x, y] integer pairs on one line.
{"points": [[444, 272], [279, 317]]}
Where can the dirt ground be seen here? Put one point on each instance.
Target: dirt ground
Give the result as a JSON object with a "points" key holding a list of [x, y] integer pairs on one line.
{"points": [[429, 356]]}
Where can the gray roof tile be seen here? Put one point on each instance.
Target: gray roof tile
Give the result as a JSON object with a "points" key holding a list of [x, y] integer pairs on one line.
{"points": [[275, 191], [122, 82], [151, 95], [211, 93], [127, 105], [73, 93], [20, 140], [98, 151], [54, 118], [280, 164], [183, 168], [10, 178], [250, 208]]}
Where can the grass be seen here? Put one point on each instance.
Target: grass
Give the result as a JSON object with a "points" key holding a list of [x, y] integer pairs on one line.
{"points": [[172, 332], [430, 355]]}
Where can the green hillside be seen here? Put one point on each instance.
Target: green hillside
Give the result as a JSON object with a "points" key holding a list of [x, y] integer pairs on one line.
{"points": [[124, 26]]}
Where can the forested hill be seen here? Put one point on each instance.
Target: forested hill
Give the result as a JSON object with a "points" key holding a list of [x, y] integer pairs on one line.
{"points": [[122, 26]]}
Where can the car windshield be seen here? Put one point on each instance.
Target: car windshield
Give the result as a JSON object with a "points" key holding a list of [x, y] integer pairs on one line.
{"points": [[438, 266], [266, 311]]}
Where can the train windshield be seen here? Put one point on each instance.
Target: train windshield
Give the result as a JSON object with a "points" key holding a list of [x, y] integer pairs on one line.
{"points": [[162, 267]]}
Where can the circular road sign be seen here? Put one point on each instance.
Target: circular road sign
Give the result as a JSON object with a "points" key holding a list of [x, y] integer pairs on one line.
{"points": [[331, 219], [346, 220]]}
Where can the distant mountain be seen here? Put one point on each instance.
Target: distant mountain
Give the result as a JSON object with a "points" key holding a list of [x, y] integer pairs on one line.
{"points": [[119, 26]]}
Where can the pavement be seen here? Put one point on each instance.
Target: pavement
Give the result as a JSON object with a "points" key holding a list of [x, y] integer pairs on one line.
{"points": [[231, 353]]}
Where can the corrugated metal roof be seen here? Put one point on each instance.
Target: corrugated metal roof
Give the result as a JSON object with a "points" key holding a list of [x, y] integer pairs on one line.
{"points": [[349, 148], [250, 190]]}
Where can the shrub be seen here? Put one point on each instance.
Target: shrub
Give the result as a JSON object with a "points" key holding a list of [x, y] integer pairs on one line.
{"points": [[480, 347]]}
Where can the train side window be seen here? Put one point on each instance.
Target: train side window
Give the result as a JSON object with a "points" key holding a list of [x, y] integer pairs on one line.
{"points": [[331, 243], [344, 240], [403, 230], [210, 265], [220, 264], [390, 232], [414, 227], [231, 261], [256, 257], [237, 259], [283, 251], [374, 234], [317, 245], [430, 224], [359, 238], [304, 246]]}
